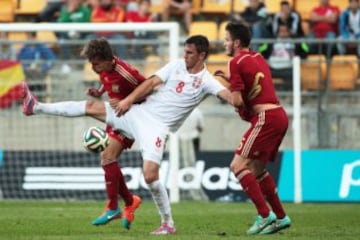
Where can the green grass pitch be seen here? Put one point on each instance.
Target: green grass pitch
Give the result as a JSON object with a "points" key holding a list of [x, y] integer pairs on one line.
{"points": [[52, 220]]}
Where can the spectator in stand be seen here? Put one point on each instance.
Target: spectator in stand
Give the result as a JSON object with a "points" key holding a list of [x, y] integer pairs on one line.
{"points": [[287, 16], [144, 15], [178, 7], [324, 19], [7, 50], [128, 5], [92, 3], [257, 18], [108, 12], [49, 13], [280, 54], [74, 11], [350, 28], [36, 59]]}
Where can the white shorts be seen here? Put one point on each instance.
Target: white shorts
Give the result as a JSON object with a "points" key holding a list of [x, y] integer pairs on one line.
{"points": [[138, 124]]}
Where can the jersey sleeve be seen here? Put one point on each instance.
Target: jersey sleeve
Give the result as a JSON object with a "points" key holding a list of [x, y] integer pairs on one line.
{"points": [[236, 82], [165, 72], [212, 86], [130, 73]]}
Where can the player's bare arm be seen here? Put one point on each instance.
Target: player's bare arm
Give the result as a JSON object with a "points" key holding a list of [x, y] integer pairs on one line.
{"points": [[226, 96], [93, 92], [143, 90], [222, 74], [237, 100]]}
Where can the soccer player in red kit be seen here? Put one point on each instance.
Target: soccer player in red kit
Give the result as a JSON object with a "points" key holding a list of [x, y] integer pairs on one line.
{"points": [[118, 79], [255, 100]]}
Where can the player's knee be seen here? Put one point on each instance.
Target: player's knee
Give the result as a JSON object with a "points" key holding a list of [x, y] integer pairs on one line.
{"points": [[237, 164], [89, 105], [107, 157], [150, 177]]}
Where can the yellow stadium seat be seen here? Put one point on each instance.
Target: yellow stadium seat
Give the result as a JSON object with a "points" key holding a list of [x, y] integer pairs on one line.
{"points": [[343, 72], [304, 7], [216, 6], [89, 74], [196, 4], [340, 3], [218, 62], [152, 64], [157, 6], [47, 37], [30, 7], [313, 72], [222, 30], [207, 28], [19, 38], [240, 5], [7, 9]]}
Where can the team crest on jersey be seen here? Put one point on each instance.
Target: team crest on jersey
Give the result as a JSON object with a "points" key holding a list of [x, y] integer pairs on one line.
{"points": [[197, 82], [115, 88]]}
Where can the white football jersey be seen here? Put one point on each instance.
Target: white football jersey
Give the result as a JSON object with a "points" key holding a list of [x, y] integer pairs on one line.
{"points": [[180, 93]]}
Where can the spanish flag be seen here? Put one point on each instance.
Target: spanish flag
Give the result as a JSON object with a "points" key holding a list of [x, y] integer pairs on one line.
{"points": [[11, 78]]}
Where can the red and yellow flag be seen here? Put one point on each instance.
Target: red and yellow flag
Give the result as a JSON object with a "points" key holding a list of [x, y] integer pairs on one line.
{"points": [[11, 78]]}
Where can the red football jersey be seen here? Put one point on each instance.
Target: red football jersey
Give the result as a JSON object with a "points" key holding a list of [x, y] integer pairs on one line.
{"points": [[122, 80], [250, 74]]}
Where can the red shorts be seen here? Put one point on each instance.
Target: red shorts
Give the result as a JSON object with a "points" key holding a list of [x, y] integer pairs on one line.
{"points": [[262, 140], [126, 142]]}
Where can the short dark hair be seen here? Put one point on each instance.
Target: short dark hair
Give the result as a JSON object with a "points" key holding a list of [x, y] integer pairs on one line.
{"points": [[239, 31], [284, 2], [98, 48], [201, 43]]}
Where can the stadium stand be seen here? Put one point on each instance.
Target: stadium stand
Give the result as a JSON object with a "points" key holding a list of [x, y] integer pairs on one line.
{"points": [[216, 7], [18, 38], [152, 64], [273, 6], [343, 72], [314, 72], [221, 34], [304, 7], [7, 9], [239, 6], [207, 28], [89, 75], [156, 6], [30, 7]]}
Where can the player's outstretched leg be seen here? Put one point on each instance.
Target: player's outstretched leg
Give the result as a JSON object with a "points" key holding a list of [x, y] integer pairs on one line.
{"points": [[278, 225], [107, 216], [129, 212], [29, 101]]}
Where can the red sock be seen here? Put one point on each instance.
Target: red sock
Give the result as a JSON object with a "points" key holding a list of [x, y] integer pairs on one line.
{"points": [[269, 190], [124, 191], [112, 176], [252, 189]]}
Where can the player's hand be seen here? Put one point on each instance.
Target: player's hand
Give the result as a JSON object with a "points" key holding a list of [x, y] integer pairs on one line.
{"points": [[93, 92], [113, 102], [122, 107], [222, 74]]}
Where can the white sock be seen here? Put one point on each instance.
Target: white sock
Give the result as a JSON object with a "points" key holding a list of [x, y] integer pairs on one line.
{"points": [[162, 202], [66, 109]]}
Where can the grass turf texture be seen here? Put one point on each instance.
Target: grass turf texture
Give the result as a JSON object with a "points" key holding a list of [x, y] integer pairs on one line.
{"points": [[194, 220]]}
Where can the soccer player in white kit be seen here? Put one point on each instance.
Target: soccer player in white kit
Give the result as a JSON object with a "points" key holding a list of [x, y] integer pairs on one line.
{"points": [[176, 89]]}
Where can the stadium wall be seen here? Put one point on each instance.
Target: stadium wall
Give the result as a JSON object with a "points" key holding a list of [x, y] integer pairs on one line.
{"points": [[327, 176]]}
